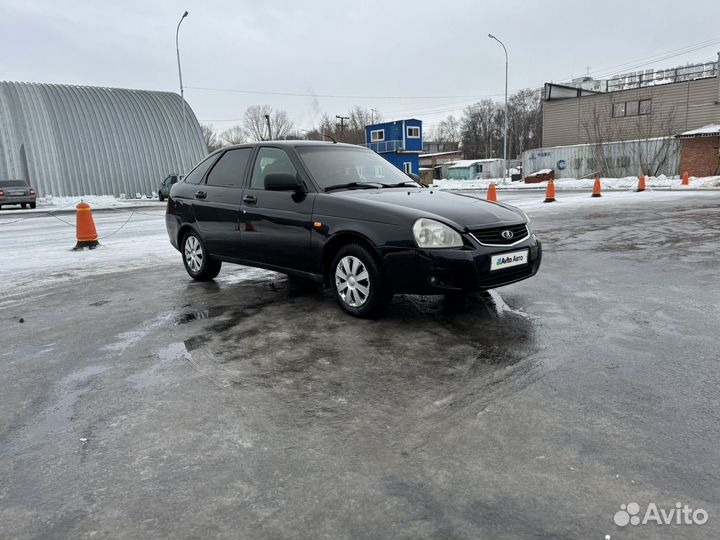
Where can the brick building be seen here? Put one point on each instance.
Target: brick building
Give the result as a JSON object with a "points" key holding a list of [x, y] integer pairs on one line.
{"points": [[700, 151]]}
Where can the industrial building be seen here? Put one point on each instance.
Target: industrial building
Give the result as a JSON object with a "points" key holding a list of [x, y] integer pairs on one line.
{"points": [[80, 140], [630, 124]]}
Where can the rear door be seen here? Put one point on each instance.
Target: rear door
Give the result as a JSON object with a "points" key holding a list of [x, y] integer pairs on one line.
{"points": [[218, 211], [277, 225]]}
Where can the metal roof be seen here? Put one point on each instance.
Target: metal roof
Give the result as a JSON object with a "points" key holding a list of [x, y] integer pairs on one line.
{"points": [[83, 140], [711, 130]]}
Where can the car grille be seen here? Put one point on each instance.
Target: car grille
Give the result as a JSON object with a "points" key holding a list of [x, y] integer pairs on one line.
{"points": [[493, 236], [502, 277]]}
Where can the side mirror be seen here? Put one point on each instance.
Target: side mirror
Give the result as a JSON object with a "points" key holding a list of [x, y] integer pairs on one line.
{"points": [[283, 182]]}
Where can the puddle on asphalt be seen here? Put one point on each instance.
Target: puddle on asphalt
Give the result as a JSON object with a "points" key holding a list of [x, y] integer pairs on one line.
{"points": [[56, 417], [152, 376], [191, 316]]}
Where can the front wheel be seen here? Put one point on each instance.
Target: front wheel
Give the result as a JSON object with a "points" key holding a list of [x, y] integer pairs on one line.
{"points": [[358, 281], [197, 261], [161, 198]]}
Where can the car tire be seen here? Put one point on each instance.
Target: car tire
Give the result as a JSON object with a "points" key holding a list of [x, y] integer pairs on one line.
{"points": [[32, 205], [23, 205], [198, 264], [358, 282], [161, 198]]}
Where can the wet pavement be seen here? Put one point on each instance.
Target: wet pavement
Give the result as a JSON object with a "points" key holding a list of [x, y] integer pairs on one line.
{"points": [[143, 405]]}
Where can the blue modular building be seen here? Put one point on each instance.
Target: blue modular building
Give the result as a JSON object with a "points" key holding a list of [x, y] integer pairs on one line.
{"points": [[399, 142]]}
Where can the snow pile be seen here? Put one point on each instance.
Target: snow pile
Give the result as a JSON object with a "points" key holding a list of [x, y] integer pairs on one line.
{"points": [[626, 183]]}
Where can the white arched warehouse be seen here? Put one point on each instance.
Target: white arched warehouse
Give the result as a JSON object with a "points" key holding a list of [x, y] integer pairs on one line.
{"points": [[82, 140]]}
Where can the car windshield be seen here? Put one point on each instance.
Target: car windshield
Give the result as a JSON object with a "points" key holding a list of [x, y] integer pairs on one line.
{"points": [[12, 183], [332, 166]]}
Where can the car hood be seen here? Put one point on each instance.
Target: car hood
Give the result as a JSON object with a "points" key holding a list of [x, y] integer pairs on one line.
{"points": [[463, 211]]}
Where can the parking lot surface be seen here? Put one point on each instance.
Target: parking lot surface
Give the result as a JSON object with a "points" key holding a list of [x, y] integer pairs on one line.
{"points": [[139, 404]]}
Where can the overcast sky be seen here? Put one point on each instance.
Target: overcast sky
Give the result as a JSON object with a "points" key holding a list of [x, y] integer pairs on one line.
{"points": [[405, 58]]}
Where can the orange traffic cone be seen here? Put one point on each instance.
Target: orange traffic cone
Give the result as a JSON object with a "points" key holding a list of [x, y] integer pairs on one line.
{"points": [[597, 189], [492, 193], [686, 179], [86, 234], [641, 184], [550, 192]]}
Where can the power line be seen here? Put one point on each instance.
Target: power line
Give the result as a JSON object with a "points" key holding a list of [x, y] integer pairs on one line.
{"points": [[301, 94]]}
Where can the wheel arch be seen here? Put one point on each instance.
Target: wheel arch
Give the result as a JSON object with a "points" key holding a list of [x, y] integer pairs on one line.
{"points": [[341, 239]]}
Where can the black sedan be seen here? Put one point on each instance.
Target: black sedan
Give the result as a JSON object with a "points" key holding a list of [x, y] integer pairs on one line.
{"points": [[344, 216]]}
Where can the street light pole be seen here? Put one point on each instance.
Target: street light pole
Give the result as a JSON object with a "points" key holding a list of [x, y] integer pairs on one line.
{"points": [[267, 119], [506, 104], [182, 94]]}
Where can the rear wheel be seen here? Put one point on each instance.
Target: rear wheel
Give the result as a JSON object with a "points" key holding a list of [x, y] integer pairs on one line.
{"points": [[32, 205], [358, 282], [161, 197], [23, 205], [196, 259]]}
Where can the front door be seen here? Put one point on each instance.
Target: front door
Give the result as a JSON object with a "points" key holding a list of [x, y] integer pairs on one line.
{"points": [[276, 225]]}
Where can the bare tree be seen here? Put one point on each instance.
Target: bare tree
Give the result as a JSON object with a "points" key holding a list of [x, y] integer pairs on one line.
{"points": [[255, 123], [645, 137], [448, 130], [211, 137], [282, 126], [233, 135]]}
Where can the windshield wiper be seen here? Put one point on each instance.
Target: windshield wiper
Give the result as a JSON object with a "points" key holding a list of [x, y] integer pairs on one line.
{"points": [[353, 185], [406, 183]]}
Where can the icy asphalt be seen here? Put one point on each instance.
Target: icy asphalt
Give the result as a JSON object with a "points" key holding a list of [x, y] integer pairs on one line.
{"points": [[139, 404]]}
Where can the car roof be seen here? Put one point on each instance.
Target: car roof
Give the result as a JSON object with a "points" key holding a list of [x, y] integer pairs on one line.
{"points": [[294, 143]]}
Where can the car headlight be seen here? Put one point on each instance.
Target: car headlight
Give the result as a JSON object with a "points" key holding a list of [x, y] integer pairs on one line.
{"points": [[431, 234]]}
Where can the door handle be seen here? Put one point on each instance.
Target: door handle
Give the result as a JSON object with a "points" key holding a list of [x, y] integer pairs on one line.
{"points": [[250, 199], [200, 194]]}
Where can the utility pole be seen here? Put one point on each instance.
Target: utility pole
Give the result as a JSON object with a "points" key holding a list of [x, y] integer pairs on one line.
{"points": [[342, 124], [267, 119], [372, 115], [182, 96]]}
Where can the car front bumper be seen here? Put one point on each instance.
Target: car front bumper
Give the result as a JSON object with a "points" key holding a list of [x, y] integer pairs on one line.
{"points": [[438, 271]]}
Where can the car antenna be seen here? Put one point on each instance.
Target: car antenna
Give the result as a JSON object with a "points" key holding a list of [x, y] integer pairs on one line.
{"points": [[329, 137]]}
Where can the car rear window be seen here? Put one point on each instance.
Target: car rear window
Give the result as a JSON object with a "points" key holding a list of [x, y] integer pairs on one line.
{"points": [[13, 183]]}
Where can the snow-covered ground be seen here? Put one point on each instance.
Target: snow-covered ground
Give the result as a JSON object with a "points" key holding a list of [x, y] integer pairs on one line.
{"points": [[53, 204], [627, 183], [37, 250]]}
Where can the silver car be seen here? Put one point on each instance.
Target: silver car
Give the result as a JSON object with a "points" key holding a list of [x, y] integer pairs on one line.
{"points": [[16, 192]]}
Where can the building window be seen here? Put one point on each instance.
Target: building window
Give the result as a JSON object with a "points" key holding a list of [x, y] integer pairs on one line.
{"points": [[645, 105], [407, 167], [631, 108], [413, 132], [618, 110], [377, 135]]}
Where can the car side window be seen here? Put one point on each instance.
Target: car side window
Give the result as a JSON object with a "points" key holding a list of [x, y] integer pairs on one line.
{"points": [[270, 161], [198, 173], [230, 168]]}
